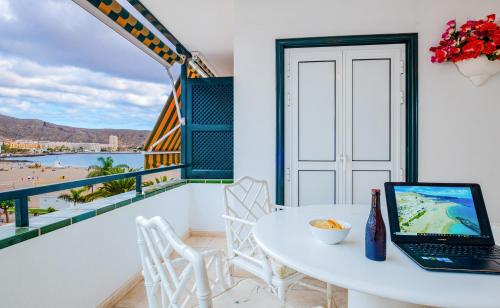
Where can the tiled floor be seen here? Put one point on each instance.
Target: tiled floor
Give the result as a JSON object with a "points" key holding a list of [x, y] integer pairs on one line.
{"points": [[298, 297]]}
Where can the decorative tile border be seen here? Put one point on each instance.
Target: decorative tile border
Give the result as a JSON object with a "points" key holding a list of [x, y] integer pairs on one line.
{"points": [[39, 225], [210, 181]]}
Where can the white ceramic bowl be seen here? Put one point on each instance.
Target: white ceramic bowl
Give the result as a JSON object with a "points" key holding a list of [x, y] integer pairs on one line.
{"points": [[330, 236]]}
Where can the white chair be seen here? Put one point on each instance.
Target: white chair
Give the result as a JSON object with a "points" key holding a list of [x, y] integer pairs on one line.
{"points": [[246, 201], [184, 281]]}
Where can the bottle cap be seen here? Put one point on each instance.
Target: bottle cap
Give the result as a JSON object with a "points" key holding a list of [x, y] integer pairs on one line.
{"points": [[375, 191]]}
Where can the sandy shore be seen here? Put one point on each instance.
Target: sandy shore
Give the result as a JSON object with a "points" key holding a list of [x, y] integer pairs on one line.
{"points": [[435, 220], [19, 175]]}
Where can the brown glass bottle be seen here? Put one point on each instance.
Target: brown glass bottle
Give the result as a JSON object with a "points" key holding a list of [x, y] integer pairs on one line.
{"points": [[375, 237]]}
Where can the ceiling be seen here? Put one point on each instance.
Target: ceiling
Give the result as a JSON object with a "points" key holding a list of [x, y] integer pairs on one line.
{"points": [[200, 25]]}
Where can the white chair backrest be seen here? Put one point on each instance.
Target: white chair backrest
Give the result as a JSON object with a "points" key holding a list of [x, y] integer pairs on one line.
{"points": [[247, 200], [157, 241]]}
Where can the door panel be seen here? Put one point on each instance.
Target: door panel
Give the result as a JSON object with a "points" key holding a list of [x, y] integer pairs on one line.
{"points": [[372, 99], [343, 126], [371, 102], [316, 187], [311, 128], [316, 110], [364, 180]]}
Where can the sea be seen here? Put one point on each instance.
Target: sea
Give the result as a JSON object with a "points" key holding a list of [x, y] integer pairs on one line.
{"points": [[463, 211], [83, 160]]}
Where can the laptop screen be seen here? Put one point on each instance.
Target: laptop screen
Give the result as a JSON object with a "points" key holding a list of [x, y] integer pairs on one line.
{"points": [[435, 212]]}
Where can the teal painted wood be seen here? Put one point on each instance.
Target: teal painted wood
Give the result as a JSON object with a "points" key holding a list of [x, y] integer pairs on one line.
{"points": [[183, 79], [410, 40], [22, 212], [209, 128]]}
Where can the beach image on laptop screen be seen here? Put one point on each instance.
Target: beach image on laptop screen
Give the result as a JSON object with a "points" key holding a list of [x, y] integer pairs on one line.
{"points": [[436, 210]]}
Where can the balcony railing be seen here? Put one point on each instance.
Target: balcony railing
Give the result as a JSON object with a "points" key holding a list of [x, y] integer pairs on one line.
{"points": [[21, 196]]}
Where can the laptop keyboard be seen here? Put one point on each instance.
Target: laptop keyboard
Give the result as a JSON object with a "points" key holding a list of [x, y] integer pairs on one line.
{"points": [[454, 251]]}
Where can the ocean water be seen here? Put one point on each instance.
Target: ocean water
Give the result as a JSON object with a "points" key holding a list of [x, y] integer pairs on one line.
{"points": [[464, 209], [84, 160]]}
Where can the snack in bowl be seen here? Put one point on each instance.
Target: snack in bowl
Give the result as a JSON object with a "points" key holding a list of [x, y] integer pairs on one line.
{"points": [[327, 224], [329, 231]]}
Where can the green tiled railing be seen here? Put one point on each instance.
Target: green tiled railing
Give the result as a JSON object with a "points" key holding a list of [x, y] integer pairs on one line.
{"points": [[39, 225]]}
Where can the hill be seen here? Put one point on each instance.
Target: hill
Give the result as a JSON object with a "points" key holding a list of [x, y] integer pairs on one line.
{"points": [[37, 130]]}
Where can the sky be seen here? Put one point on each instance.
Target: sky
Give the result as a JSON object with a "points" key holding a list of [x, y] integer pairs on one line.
{"points": [[443, 191], [60, 64]]}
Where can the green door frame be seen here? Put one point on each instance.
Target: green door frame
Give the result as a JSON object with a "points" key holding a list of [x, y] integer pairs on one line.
{"points": [[410, 40]]}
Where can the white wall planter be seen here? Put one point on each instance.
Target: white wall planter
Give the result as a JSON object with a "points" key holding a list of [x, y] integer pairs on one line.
{"points": [[478, 70]]}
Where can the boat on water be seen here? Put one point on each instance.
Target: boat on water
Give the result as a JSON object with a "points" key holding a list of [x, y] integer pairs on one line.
{"points": [[58, 165]]}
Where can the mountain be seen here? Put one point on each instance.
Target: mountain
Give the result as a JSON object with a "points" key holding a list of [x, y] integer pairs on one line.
{"points": [[37, 130]]}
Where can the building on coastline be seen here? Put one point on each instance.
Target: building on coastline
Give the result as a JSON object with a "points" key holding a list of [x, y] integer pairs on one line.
{"points": [[74, 146], [113, 142], [48, 146], [27, 145]]}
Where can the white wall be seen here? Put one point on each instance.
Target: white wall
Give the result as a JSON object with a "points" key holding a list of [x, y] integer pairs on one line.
{"points": [[459, 123], [207, 207], [82, 264]]}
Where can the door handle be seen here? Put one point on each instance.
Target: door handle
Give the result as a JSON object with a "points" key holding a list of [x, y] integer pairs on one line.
{"points": [[343, 160]]}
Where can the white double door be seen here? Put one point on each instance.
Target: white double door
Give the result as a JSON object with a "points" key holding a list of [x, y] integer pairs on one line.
{"points": [[344, 129]]}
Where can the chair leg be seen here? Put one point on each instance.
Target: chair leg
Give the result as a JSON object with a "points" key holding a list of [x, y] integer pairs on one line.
{"points": [[282, 293], [150, 294], [329, 296], [230, 275]]}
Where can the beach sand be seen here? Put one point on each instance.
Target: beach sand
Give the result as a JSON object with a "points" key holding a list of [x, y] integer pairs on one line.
{"points": [[435, 219], [19, 175]]}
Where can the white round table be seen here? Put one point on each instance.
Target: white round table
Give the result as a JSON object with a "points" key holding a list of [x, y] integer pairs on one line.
{"points": [[397, 282]]}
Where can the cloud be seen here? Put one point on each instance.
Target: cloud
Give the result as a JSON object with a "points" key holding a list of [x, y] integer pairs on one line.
{"points": [[27, 87], [60, 64], [59, 32], [5, 11]]}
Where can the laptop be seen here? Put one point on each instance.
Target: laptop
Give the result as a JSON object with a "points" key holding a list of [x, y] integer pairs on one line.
{"points": [[442, 227]]}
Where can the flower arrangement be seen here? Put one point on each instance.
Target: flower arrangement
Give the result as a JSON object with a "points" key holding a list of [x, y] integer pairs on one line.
{"points": [[471, 40]]}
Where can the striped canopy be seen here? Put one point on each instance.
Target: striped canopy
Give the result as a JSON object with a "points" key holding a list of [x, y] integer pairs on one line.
{"points": [[118, 18], [166, 152], [199, 62], [162, 148]]}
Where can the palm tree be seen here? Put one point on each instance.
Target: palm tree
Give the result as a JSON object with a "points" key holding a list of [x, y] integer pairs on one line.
{"points": [[114, 187], [5, 206], [105, 167], [162, 179], [75, 196]]}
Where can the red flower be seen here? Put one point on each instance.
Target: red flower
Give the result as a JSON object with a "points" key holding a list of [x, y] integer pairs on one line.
{"points": [[440, 55], [474, 46], [496, 37], [488, 26], [489, 48], [471, 40]]}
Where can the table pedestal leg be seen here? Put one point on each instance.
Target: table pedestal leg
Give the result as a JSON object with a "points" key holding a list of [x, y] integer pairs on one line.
{"points": [[357, 299]]}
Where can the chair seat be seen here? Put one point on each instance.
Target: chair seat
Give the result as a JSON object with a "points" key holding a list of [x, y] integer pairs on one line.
{"points": [[247, 294], [280, 270]]}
